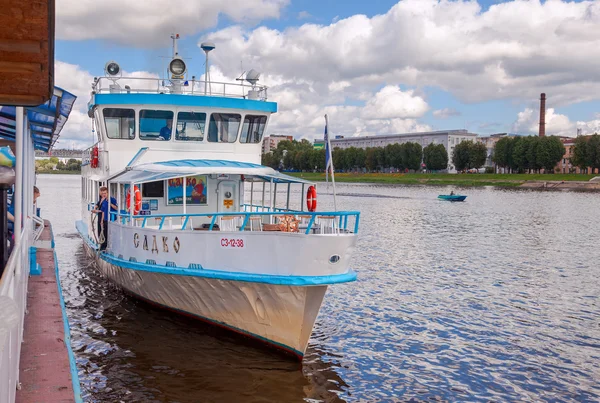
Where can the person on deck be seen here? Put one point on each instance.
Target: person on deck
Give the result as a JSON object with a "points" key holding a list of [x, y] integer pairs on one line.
{"points": [[165, 132], [10, 215], [103, 215]]}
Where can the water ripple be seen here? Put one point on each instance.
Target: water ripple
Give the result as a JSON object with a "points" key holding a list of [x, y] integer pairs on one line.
{"points": [[491, 300]]}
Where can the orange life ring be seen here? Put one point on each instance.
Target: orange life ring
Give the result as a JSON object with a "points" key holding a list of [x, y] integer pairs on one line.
{"points": [[138, 200], [94, 160], [311, 199]]}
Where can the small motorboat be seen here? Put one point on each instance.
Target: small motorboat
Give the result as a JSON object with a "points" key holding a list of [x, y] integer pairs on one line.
{"points": [[452, 197]]}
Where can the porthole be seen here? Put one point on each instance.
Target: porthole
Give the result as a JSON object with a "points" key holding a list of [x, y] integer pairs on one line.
{"points": [[334, 259]]}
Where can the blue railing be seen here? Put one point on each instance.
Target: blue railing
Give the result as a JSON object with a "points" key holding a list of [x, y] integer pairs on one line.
{"points": [[341, 216]]}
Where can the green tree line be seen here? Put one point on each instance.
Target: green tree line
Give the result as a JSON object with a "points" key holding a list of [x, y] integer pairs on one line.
{"points": [[301, 156], [586, 153], [469, 155], [53, 163], [529, 153]]}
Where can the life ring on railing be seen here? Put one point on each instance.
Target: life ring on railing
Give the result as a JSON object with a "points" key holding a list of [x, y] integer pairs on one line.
{"points": [[137, 195], [311, 199], [94, 160]]}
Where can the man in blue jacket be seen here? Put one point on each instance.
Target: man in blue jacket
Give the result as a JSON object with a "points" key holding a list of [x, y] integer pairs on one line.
{"points": [[103, 216]]}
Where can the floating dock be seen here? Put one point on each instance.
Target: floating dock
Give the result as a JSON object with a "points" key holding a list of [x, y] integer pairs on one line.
{"points": [[47, 368]]}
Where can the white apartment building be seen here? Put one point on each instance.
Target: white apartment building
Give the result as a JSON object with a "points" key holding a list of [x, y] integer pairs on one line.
{"points": [[270, 142], [449, 138]]}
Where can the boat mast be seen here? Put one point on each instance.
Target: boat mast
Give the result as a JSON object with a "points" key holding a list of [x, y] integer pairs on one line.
{"points": [[206, 47]]}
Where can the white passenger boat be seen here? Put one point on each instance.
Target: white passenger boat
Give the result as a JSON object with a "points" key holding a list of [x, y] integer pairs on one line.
{"points": [[201, 227]]}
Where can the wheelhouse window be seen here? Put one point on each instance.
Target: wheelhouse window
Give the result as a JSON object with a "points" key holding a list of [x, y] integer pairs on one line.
{"points": [[190, 126], [156, 125], [253, 128], [223, 127], [120, 123]]}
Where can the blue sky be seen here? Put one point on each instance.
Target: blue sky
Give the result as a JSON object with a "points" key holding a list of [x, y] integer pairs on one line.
{"points": [[376, 67]]}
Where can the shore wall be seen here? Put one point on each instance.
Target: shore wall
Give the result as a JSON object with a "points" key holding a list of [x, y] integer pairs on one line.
{"points": [[562, 185]]}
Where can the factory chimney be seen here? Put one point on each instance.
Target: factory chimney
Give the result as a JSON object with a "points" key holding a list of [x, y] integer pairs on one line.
{"points": [[542, 115]]}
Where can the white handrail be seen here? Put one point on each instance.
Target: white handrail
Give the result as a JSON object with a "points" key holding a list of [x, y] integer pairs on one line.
{"points": [[13, 300], [39, 227], [149, 85]]}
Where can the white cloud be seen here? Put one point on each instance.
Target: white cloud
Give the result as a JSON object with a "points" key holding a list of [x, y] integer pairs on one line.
{"points": [[556, 124], [148, 23], [391, 103], [513, 50], [302, 15], [445, 113], [353, 68]]}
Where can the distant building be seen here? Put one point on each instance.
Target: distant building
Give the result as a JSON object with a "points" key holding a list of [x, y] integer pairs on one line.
{"points": [[490, 143], [449, 138], [270, 142], [62, 155], [76, 154]]}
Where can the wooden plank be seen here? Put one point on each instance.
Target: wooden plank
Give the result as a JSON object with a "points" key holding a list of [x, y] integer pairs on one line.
{"points": [[10, 99], [26, 51], [22, 46], [20, 67]]}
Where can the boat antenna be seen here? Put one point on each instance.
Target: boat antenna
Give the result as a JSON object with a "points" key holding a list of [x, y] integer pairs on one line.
{"points": [[206, 47], [175, 37]]}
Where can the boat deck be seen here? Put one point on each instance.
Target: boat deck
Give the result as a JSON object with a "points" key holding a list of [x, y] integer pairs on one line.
{"points": [[45, 372]]}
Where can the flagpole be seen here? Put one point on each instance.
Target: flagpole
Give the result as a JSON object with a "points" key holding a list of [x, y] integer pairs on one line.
{"points": [[329, 158]]}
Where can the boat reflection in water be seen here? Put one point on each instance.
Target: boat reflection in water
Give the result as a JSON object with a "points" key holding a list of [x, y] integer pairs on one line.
{"points": [[134, 351]]}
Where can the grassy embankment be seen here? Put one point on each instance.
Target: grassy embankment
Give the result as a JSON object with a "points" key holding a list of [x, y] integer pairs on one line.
{"points": [[508, 180]]}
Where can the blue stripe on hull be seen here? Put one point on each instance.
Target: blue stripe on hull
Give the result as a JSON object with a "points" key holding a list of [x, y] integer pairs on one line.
{"points": [[298, 281]]}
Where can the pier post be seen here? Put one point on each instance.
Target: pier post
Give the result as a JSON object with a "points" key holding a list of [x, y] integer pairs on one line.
{"points": [[3, 228]]}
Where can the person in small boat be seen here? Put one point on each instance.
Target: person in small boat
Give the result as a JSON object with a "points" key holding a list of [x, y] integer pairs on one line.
{"points": [[103, 216], [452, 193], [165, 132]]}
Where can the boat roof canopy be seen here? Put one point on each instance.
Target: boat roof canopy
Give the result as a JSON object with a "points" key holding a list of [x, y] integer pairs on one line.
{"points": [[45, 121], [157, 171]]}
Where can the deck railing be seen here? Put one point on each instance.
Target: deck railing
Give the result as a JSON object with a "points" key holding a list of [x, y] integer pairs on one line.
{"points": [[13, 298], [140, 85], [327, 222]]}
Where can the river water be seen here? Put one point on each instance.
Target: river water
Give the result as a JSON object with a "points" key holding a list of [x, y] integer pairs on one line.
{"points": [[495, 299]]}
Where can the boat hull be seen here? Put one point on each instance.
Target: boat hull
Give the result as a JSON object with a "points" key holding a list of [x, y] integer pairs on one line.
{"points": [[452, 197], [279, 315]]}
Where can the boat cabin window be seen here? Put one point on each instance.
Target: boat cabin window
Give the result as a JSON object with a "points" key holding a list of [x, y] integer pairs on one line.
{"points": [[223, 127], [153, 189], [120, 123], [253, 128], [190, 126], [156, 125]]}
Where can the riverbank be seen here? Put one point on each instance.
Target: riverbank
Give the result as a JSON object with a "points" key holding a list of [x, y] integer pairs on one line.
{"points": [[556, 181]]}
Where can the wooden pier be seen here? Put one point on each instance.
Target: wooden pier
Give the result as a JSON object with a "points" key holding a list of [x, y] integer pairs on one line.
{"points": [[45, 372]]}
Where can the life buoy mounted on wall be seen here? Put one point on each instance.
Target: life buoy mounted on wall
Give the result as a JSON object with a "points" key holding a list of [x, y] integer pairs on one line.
{"points": [[94, 159], [137, 196], [311, 199]]}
